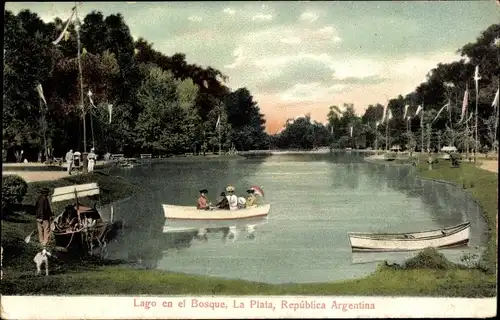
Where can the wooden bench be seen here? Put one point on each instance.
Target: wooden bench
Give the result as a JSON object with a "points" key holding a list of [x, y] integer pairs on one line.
{"points": [[117, 156], [146, 156]]}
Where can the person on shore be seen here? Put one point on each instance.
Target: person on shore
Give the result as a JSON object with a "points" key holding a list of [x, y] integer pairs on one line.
{"points": [[69, 160], [92, 158], [223, 203], [232, 198], [44, 216], [251, 200], [203, 203], [77, 160]]}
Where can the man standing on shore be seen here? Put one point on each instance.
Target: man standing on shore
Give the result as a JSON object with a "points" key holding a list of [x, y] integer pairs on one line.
{"points": [[44, 216], [69, 160], [91, 157]]}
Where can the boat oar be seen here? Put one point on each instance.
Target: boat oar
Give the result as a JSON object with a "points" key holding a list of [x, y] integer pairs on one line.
{"points": [[28, 238]]}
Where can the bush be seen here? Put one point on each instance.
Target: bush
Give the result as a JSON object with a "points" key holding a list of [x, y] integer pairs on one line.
{"points": [[14, 189], [429, 258]]}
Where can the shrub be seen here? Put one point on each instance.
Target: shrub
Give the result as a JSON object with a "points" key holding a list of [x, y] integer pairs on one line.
{"points": [[429, 258], [14, 189]]}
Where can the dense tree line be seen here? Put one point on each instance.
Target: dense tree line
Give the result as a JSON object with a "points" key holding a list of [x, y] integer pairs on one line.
{"points": [[446, 83], [160, 104]]}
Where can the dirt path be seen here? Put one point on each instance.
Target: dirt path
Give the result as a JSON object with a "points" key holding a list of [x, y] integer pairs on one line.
{"points": [[33, 176], [490, 165]]}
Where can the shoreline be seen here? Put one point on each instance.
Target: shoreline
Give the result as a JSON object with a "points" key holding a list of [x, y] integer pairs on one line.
{"points": [[461, 279]]}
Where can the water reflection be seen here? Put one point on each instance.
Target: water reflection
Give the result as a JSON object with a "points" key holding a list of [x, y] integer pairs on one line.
{"points": [[316, 199]]}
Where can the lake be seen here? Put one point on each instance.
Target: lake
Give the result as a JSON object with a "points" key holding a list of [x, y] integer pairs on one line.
{"points": [[316, 199]]}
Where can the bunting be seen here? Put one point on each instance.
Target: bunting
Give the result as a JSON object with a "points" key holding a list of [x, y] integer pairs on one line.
{"points": [[418, 110], [384, 114], [377, 124], [40, 93], [389, 115], [110, 110], [464, 104], [65, 32], [217, 124], [441, 110], [477, 77], [90, 98], [351, 131], [494, 104], [406, 110]]}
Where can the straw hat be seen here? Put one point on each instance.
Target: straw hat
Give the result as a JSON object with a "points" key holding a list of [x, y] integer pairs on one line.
{"points": [[230, 189]]}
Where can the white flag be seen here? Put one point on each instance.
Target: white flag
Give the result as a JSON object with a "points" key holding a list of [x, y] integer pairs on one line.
{"points": [[377, 124], [495, 101], [385, 112], [90, 98], [217, 124], [464, 104], [408, 119], [40, 93], [476, 76], [418, 110], [389, 116], [65, 28], [351, 131], [110, 110], [406, 110], [439, 112]]}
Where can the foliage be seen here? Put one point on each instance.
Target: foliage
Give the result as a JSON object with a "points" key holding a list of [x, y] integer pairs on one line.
{"points": [[14, 189], [131, 76]]}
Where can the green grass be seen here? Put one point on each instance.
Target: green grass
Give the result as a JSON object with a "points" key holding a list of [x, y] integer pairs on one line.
{"points": [[429, 274]]}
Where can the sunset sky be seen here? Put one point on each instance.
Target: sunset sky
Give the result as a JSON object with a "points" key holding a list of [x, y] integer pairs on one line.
{"points": [[301, 57]]}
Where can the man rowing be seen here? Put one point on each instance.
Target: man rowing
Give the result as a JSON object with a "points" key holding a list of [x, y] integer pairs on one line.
{"points": [[223, 203]]}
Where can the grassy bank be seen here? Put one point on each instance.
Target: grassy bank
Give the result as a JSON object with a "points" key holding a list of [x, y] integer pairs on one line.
{"points": [[428, 274], [21, 222]]}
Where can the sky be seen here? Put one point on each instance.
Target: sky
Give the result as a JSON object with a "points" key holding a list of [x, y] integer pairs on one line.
{"points": [[299, 57]]}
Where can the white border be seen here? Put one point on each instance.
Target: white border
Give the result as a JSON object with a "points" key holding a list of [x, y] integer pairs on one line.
{"points": [[106, 307]]}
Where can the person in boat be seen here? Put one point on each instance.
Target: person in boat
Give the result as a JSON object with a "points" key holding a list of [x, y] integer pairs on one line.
{"points": [[203, 203], [251, 199], [232, 198], [223, 203], [44, 216]]}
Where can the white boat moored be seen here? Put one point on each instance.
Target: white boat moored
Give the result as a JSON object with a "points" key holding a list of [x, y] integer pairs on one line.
{"points": [[443, 238]]}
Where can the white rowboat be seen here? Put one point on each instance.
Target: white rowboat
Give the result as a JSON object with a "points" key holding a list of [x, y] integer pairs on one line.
{"points": [[191, 217], [443, 238]]}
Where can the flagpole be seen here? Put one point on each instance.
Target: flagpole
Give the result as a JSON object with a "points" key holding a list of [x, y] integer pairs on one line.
{"points": [[476, 141], [496, 120], [81, 87], [44, 127], [387, 135], [422, 130]]}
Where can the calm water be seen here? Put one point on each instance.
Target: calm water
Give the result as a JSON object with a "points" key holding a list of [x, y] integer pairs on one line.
{"points": [[316, 200]]}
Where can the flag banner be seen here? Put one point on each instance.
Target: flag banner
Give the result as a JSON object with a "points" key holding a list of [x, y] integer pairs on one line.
{"points": [[418, 110], [351, 132], [476, 76], [90, 98], [439, 112], [40, 93], [385, 112], [389, 115], [110, 110], [406, 110], [377, 124], [464, 104], [217, 124], [495, 100], [408, 119], [63, 33]]}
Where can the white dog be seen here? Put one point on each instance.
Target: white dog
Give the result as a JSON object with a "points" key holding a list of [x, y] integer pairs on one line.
{"points": [[42, 258]]}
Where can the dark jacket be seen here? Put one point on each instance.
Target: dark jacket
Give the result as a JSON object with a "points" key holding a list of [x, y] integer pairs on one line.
{"points": [[42, 208], [223, 204]]}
